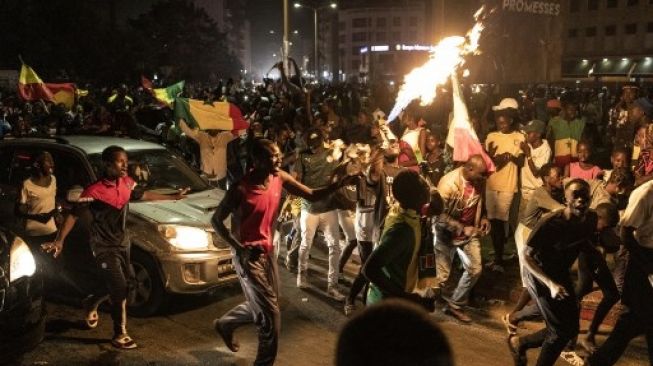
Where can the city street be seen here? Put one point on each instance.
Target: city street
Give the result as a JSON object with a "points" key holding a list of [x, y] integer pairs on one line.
{"points": [[310, 325]]}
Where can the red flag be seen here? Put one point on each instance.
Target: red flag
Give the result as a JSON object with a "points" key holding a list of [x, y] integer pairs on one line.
{"points": [[31, 87], [462, 136], [62, 93]]}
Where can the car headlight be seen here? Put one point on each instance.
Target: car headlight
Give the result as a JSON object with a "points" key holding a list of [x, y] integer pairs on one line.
{"points": [[186, 237], [21, 263]]}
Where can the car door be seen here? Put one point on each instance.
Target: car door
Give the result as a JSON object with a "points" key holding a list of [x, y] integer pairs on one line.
{"points": [[7, 192], [20, 168], [72, 171]]}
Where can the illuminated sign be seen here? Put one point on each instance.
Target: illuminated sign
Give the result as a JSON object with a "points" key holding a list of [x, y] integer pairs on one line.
{"points": [[414, 47], [532, 7], [398, 47]]}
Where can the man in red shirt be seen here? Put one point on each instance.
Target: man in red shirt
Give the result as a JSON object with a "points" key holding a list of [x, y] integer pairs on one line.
{"points": [[254, 202], [108, 202]]}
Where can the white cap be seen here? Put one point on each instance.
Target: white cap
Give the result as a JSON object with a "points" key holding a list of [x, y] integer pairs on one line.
{"points": [[505, 104]]}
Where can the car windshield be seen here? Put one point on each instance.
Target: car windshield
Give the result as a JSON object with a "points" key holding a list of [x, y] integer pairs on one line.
{"points": [[158, 170]]}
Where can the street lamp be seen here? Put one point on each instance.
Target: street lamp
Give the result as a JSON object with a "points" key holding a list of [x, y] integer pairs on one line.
{"points": [[315, 9]]}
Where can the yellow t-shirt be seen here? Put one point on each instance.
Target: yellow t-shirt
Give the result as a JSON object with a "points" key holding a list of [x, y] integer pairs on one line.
{"points": [[505, 180]]}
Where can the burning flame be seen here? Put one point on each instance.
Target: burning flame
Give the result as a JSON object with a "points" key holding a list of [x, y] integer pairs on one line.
{"points": [[445, 59]]}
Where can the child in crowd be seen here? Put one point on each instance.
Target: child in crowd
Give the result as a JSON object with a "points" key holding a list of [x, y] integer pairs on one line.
{"points": [[618, 159], [640, 140], [583, 168], [434, 165], [644, 169]]}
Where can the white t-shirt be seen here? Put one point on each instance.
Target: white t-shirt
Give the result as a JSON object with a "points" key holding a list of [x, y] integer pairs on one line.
{"points": [[639, 214], [540, 155], [39, 200]]}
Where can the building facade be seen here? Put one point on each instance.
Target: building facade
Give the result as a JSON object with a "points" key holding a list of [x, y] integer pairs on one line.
{"points": [[371, 35], [609, 38]]}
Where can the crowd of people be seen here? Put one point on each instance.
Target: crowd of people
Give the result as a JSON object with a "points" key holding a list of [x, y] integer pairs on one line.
{"points": [[323, 158]]}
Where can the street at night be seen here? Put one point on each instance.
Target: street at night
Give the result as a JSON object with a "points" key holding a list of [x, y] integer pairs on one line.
{"points": [[311, 323], [326, 182]]}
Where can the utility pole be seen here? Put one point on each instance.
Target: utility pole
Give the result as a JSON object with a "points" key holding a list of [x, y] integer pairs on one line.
{"points": [[285, 48], [317, 60]]}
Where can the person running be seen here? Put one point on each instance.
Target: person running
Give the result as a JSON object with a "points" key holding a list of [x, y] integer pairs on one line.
{"points": [[637, 296], [108, 202], [551, 250], [457, 231], [254, 203], [544, 199], [315, 168], [392, 268]]}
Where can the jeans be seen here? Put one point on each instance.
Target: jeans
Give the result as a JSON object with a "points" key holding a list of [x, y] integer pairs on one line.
{"points": [[592, 269], [259, 280], [562, 321], [328, 223], [635, 321], [470, 256]]}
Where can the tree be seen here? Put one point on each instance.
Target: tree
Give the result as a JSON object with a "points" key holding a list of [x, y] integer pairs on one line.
{"points": [[179, 35]]}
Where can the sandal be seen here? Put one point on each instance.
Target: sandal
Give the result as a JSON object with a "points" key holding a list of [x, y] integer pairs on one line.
{"points": [[510, 328], [123, 341], [92, 317]]}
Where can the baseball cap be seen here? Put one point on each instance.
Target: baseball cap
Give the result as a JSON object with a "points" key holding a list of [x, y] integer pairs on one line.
{"points": [[506, 103], [535, 126], [553, 103]]}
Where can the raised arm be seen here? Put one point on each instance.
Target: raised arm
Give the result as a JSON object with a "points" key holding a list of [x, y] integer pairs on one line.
{"points": [[312, 194], [193, 133]]}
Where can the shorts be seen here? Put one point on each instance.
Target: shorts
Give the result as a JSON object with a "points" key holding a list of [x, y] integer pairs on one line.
{"points": [[364, 224], [498, 204]]}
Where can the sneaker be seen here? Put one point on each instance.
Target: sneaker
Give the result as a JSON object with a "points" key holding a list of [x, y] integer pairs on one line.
{"points": [[301, 281], [350, 307], [334, 293]]}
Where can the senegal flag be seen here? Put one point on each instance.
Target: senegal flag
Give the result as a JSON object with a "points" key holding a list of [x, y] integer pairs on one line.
{"points": [[209, 116], [62, 93], [31, 87], [167, 95]]}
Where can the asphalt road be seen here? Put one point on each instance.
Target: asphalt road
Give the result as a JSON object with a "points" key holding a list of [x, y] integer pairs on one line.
{"points": [[310, 324]]}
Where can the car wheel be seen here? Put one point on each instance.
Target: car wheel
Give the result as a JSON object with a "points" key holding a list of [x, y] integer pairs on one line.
{"points": [[148, 295]]}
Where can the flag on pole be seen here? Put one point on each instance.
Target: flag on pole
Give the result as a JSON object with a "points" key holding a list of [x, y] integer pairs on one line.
{"points": [[462, 137], [165, 96], [62, 93], [210, 116], [31, 87]]}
